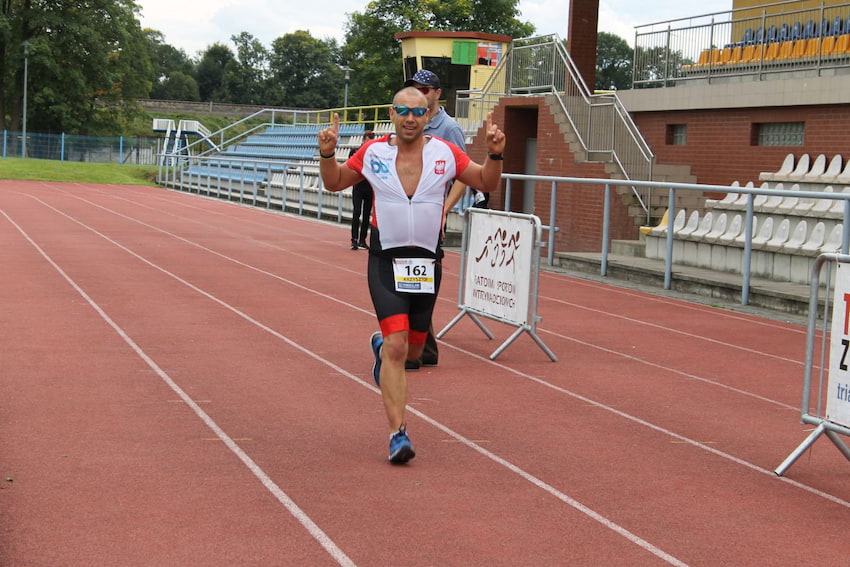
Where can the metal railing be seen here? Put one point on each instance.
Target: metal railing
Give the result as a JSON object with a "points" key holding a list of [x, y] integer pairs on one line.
{"points": [[541, 66], [606, 185], [747, 42], [303, 194], [258, 182]]}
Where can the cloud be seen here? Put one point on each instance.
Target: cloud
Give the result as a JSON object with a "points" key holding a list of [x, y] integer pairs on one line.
{"points": [[193, 25]]}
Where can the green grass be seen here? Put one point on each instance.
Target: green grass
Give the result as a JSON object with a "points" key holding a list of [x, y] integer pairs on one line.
{"points": [[79, 172]]}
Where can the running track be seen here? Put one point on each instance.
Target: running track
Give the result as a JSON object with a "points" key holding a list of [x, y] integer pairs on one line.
{"points": [[186, 381]]}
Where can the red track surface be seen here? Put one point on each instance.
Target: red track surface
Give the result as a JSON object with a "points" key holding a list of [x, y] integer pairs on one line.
{"points": [[186, 381]]}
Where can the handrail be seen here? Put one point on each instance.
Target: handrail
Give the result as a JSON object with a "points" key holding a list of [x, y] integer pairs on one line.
{"points": [[711, 47], [541, 66]]}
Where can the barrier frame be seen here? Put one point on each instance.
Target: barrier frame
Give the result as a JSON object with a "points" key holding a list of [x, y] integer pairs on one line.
{"points": [[823, 425], [532, 318]]}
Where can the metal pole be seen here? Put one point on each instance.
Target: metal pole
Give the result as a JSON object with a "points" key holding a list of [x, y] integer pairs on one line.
{"points": [[26, 46], [347, 70]]}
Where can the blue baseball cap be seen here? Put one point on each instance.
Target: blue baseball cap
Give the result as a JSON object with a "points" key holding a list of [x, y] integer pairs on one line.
{"points": [[424, 77]]}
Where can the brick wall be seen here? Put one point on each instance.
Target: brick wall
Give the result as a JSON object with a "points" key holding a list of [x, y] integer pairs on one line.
{"points": [[721, 145], [581, 38]]}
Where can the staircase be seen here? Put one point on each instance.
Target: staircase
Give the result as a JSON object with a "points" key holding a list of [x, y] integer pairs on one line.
{"points": [[645, 206]]}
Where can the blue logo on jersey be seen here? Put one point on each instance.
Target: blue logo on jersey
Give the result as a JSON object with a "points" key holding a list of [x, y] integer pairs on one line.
{"points": [[379, 167]]}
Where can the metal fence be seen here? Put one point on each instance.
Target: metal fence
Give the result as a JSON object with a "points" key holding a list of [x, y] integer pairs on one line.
{"points": [[802, 38], [826, 399], [140, 150]]}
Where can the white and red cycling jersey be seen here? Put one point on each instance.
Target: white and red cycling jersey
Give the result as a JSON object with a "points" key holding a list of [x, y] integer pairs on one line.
{"points": [[415, 220]]}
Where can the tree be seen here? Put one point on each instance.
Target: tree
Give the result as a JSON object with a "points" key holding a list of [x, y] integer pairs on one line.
{"points": [[171, 69], [303, 72], [657, 64], [178, 86], [374, 54], [211, 70], [244, 76], [87, 64], [613, 62]]}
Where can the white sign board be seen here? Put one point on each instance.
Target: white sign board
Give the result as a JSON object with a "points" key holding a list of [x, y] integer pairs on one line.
{"points": [[838, 387], [498, 266]]}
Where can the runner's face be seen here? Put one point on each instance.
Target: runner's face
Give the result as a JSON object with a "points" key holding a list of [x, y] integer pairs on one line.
{"points": [[409, 127]]}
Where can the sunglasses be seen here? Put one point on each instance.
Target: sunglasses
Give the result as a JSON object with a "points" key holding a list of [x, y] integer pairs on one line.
{"points": [[416, 110], [425, 90]]}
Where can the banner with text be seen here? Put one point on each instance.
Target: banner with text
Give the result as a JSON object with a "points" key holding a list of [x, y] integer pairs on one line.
{"points": [[498, 265], [838, 387]]}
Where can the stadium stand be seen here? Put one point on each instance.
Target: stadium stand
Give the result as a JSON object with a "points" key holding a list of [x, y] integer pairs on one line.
{"points": [[278, 165], [789, 230]]}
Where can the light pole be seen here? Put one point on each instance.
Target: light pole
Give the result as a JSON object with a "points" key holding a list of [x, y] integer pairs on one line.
{"points": [[347, 77], [26, 46]]}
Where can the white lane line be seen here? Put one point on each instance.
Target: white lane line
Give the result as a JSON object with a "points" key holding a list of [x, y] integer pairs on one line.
{"points": [[570, 393], [312, 528]]}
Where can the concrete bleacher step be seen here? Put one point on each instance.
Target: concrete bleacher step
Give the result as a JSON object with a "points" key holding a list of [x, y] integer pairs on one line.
{"points": [[633, 248]]}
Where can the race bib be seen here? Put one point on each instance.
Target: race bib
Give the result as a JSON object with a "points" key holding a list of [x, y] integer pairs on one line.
{"points": [[414, 275]]}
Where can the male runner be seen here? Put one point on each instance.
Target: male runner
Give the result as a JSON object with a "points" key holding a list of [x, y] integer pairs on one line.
{"points": [[410, 174]]}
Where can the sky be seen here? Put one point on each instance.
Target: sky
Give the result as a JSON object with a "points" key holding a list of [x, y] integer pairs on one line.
{"points": [[193, 25]]}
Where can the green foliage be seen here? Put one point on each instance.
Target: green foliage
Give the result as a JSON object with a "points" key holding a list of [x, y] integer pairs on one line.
{"points": [[658, 63], [89, 60], [210, 72], [171, 70], [613, 62], [177, 86], [244, 76], [375, 55], [303, 73], [88, 63]]}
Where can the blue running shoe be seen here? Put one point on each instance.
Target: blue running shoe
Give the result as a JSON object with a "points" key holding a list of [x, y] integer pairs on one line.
{"points": [[377, 341], [401, 450]]}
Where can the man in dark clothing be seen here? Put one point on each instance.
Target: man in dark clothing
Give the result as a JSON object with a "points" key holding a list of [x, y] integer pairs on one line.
{"points": [[361, 196]]}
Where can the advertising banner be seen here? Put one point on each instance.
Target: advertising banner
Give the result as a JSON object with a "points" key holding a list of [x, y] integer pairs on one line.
{"points": [[498, 266]]}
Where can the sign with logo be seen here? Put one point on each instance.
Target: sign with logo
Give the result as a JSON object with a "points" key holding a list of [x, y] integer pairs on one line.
{"points": [[838, 387], [498, 266]]}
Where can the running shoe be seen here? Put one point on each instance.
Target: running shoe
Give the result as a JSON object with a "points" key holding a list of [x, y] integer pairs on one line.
{"points": [[376, 341], [401, 450]]}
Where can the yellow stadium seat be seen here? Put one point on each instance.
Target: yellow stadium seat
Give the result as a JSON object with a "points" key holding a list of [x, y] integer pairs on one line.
{"points": [[827, 46], [799, 49], [715, 57], [785, 50], [772, 53], [811, 48], [735, 55], [725, 56], [703, 60], [842, 45], [752, 54]]}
